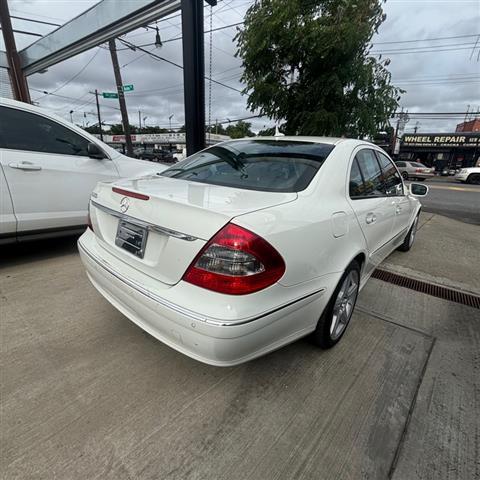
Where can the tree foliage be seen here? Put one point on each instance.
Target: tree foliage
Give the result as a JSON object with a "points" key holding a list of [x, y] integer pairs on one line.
{"points": [[240, 129], [307, 62]]}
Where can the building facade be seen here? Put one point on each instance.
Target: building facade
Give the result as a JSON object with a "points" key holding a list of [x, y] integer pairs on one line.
{"points": [[442, 150], [469, 126]]}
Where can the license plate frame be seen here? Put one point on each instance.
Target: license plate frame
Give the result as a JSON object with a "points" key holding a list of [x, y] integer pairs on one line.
{"points": [[131, 237]]}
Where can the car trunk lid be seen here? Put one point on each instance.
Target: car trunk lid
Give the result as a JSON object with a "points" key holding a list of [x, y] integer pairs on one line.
{"points": [[161, 232]]}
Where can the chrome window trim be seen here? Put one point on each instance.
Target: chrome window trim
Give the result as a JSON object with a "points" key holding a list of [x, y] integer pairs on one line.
{"points": [[146, 225]]}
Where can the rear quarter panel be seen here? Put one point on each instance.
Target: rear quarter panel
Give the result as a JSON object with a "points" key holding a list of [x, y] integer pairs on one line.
{"points": [[318, 234]]}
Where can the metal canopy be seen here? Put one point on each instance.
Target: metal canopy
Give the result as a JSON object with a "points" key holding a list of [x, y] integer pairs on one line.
{"points": [[111, 18], [107, 19]]}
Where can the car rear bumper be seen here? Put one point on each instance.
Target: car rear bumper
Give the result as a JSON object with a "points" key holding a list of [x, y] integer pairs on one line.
{"points": [[212, 341]]}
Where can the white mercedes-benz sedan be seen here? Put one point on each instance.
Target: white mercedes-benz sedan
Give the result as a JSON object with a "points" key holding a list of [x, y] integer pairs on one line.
{"points": [[250, 244]]}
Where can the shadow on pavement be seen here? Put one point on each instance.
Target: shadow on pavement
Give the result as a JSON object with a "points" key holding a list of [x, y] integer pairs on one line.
{"points": [[31, 251]]}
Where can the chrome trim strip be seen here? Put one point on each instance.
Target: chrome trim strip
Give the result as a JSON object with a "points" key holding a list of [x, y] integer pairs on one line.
{"points": [[147, 225], [194, 316]]}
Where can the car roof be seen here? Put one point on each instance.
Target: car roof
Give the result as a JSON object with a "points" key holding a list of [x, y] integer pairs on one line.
{"points": [[299, 138]]}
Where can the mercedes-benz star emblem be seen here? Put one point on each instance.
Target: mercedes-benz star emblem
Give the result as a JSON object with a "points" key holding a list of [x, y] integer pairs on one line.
{"points": [[124, 204]]}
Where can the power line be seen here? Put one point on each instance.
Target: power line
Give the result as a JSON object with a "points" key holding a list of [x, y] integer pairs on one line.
{"points": [[24, 32], [35, 21], [158, 57], [418, 51], [425, 39], [74, 77]]}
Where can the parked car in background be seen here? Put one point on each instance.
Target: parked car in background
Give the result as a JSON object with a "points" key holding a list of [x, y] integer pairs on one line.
{"points": [[414, 170], [469, 175], [249, 244], [155, 155], [48, 170]]}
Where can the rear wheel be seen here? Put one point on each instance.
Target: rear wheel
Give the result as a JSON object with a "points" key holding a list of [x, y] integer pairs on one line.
{"points": [[474, 178], [336, 316], [405, 175], [410, 238]]}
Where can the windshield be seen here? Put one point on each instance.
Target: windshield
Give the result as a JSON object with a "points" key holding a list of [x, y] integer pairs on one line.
{"points": [[416, 164], [264, 165]]}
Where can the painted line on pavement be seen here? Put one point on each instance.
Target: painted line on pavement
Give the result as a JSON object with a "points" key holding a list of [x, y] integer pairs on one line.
{"points": [[461, 189]]}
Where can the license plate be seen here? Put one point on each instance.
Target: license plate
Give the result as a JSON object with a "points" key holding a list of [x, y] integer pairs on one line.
{"points": [[131, 237]]}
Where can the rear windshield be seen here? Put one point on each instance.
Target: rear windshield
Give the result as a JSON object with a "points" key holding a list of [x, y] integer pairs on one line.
{"points": [[264, 165], [416, 164]]}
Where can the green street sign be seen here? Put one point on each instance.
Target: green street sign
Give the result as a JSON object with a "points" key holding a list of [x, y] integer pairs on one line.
{"points": [[128, 88], [109, 95]]}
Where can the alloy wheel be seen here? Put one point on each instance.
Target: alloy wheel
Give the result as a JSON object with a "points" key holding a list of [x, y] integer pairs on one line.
{"points": [[344, 304]]}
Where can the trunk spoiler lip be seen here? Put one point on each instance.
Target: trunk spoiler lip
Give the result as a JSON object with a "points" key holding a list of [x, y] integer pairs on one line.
{"points": [[147, 225]]}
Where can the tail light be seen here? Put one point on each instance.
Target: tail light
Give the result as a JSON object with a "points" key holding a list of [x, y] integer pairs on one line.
{"points": [[236, 262], [418, 170]]}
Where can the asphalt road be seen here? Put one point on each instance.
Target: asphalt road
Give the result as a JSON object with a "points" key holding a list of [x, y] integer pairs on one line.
{"points": [[453, 199]]}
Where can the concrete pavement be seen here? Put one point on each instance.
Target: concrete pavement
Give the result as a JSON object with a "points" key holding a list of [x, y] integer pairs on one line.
{"points": [[87, 394], [446, 252]]}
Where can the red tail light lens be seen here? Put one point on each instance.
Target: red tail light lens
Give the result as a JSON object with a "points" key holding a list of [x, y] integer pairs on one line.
{"points": [[236, 262], [418, 170], [128, 193]]}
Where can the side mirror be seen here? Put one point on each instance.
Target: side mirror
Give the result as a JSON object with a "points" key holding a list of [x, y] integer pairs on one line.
{"points": [[95, 152], [418, 190]]}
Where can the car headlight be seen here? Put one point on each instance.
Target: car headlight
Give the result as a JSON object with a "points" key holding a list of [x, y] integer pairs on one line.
{"points": [[463, 170]]}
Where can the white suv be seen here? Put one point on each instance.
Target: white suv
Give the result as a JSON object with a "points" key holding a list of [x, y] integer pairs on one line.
{"points": [[48, 168], [469, 175]]}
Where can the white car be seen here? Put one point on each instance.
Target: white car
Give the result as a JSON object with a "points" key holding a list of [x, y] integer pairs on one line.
{"points": [[48, 169], [469, 175], [249, 244]]}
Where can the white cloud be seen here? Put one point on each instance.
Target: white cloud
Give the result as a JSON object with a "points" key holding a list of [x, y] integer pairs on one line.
{"points": [[159, 86]]}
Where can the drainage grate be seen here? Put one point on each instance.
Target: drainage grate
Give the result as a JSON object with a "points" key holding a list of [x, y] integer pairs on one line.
{"points": [[428, 288]]}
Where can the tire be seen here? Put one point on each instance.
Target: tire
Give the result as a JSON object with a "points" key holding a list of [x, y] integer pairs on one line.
{"points": [[405, 175], [327, 333], [410, 238], [474, 178], [421, 179]]}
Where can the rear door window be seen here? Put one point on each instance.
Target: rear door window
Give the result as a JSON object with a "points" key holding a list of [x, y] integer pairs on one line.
{"points": [[391, 177], [374, 185], [356, 185], [264, 165], [20, 130]]}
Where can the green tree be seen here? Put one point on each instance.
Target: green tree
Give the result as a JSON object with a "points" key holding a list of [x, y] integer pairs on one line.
{"points": [[93, 129], [240, 129], [217, 128], [116, 129], [307, 62]]}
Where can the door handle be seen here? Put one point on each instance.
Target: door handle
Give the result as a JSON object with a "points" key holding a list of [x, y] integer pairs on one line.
{"points": [[25, 166], [370, 218]]}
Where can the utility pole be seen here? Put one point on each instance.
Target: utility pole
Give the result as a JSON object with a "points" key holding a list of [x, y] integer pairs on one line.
{"points": [[121, 96], [17, 77], [139, 120], [98, 115], [193, 74]]}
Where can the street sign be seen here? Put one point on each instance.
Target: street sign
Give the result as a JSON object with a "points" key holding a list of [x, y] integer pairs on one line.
{"points": [[128, 88], [109, 95]]}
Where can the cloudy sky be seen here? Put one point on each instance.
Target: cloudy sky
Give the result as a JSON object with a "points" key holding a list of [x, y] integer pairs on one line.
{"points": [[431, 44]]}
